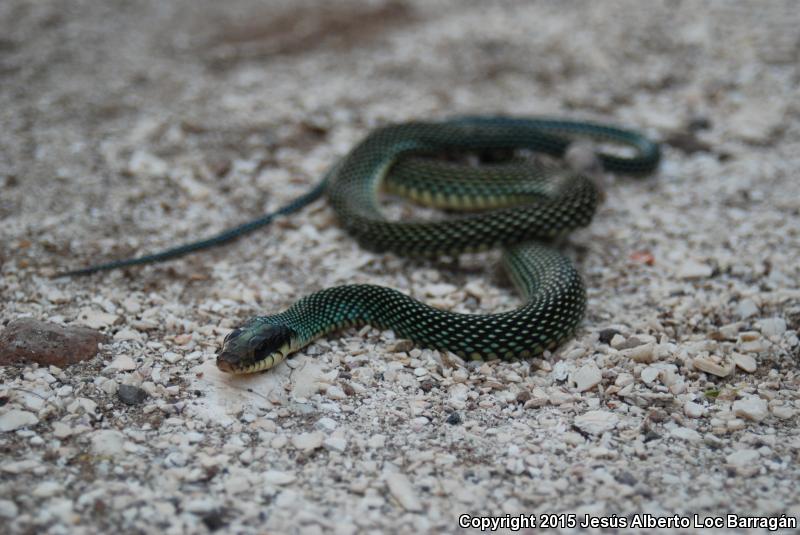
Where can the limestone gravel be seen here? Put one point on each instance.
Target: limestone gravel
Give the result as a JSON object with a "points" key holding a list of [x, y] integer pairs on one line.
{"points": [[128, 127]]}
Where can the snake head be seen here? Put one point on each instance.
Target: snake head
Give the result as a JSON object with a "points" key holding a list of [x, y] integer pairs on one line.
{"points": [[254, 347]]}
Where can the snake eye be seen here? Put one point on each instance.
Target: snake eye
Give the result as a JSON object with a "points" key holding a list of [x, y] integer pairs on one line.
{"points": [[233, 335], [270, 340]]}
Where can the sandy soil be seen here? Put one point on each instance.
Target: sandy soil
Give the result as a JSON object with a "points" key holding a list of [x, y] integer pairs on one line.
{"points": [[128, 127]]}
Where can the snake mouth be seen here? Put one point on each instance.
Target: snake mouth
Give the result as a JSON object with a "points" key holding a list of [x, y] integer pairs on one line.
{"points": [[229, 363]]}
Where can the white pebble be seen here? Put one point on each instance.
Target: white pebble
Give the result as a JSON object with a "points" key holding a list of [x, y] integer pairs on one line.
{"points": [[753, 408], [96, 319], [747, 308], [644, 353], [586, 377], [649, 374], [201, 505], [326, 424], [460, 375], [714, 365], [308, 441], [62, 430], [277, 477], [335, 443], [772, 327], [107, 442], [784, 412], [335, 392], [376, 441], [8, 509], [46, 489], [596, 422], [16, 419], [122, 363], [742, 458], [684, 433], [617, 340], [692, 269], [693, 410], [400, 488], [171, 357], [745, 362]]}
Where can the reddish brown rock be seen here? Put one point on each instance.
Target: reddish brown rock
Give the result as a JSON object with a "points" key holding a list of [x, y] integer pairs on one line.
{"points": [[27, 340]]}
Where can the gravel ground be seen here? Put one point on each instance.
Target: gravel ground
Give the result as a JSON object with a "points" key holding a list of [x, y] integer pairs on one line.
{"points": [[130, 126]]}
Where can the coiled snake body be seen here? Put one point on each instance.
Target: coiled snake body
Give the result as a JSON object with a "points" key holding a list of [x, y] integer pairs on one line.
{"points": [[529, 205]]}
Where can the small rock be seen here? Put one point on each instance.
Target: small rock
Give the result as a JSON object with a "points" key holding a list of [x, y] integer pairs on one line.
{"points": [[684, 433], [308, 441], [61, 430], [27, 340], [122, 363], [644, 353], [376, 441], [96, 319], [454, 418], [522, 396], [713, 365], [748, 336], [336, 392], [747, 308], [171, 357], [691, 269], [8, 509], [439, 289], [629, 343], [201, 505], [745, 362], [617, 341], [326, 424], [649, 374], [16, 419], [335, 443], [277, 477], [131, 395], [693, 410], [772, 327], [400, 488], [730, 331], [757, 120], [402, 346], [108, 443], [109, 386], [19, 467], [460, 375], [215, 519], [606, 335], [596, 422], [586, 377], [742, 458], [562, 369], [753, 408], [143, 163], [784, 412], [419, 422], [46, 489], [127, 334]]}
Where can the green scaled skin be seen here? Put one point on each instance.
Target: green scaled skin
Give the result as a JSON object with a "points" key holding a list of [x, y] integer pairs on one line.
{"points": [[529, 205]]}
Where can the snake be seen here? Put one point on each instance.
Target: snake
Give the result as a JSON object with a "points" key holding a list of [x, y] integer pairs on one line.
{"points": [[480, 169]]}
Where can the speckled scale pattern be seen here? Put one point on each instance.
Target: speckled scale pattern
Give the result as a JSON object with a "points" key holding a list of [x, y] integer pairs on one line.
{"points": [[556, 301], [522, 219]]}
